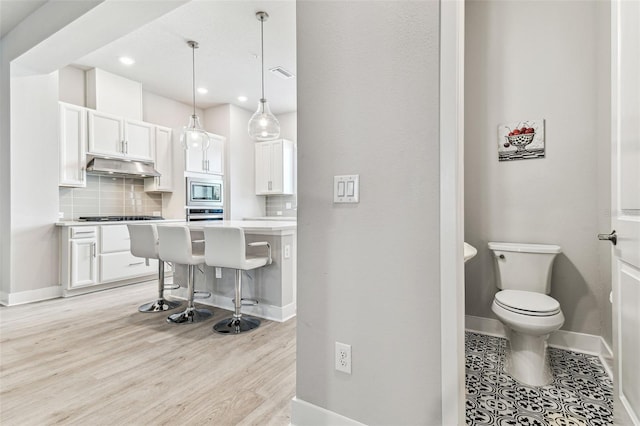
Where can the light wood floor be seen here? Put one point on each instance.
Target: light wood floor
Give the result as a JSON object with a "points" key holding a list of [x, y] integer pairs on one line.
{"points": [[94, 360]]}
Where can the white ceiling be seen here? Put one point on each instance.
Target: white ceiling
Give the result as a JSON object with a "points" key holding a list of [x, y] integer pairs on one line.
{"points": [[227, 62], [14, 11]]}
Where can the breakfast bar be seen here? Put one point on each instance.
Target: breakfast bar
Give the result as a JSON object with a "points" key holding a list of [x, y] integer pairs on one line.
{"points": [[274, 286]]}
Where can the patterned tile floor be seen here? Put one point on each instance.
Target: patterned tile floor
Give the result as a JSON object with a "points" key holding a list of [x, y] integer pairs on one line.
{"points": [[580, 394]]}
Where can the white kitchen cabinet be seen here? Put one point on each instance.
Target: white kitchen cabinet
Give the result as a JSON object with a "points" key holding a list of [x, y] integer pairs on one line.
{"points": [[122, 265], [114, 238], [163, 162], [210, 161], [82, 249], [83, 262], [115, 136], [115, 258], [98, 257], [72, 142], [274, 167]]}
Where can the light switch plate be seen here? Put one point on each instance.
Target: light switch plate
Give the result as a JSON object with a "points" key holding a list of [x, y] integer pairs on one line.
{"points": [[346, 189]]}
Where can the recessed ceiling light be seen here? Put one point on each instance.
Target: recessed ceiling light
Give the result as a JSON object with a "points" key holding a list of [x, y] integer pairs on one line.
{"points": [[126, 60], [203, 90], [242, 98]]}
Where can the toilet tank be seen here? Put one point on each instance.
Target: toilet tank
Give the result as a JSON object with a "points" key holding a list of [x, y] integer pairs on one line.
{"points": [[524, 266]]}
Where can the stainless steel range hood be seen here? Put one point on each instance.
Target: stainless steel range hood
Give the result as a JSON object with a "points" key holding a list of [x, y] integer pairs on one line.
{"points": [[118, 167]]}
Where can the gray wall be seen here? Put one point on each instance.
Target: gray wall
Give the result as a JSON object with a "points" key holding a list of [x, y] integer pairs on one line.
{"points": [[368, 276], [529, 60]]}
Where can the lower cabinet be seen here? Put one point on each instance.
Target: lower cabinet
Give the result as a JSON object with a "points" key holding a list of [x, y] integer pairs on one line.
{"points": [[97, 257], [83, 263], [118, 266]]}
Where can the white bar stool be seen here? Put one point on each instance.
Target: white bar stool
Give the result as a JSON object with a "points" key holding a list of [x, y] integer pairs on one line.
{"points": [[144, 243], [225, 247], [175, 246]]}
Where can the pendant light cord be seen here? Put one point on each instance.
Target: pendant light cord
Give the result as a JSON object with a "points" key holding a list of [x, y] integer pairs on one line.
{"points": [[193, 68], [262, 51]]}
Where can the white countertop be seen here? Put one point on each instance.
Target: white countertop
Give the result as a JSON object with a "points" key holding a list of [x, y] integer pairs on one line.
{"points": [[115, 222], [276, 218], [249, 225]]}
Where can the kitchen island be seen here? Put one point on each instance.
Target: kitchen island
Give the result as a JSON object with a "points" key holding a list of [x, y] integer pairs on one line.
{"points": [[274, 286]]}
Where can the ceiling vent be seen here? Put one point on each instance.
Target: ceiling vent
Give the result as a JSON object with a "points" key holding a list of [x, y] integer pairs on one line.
{"points": [[282, 73]]}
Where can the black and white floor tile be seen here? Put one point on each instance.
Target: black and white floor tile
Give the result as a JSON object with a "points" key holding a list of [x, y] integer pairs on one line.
{"points": [[581, 393]]}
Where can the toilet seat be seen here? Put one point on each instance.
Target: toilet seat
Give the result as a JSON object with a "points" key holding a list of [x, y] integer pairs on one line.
{"points": [[527, 303]]}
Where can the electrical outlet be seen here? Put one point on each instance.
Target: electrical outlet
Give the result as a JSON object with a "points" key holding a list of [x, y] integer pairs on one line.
{"points": [[60, 215], [343, 357], [287, 205], [287, 251], [218, 272]]}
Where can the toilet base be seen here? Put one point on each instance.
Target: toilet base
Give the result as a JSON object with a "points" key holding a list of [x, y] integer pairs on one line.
{"points": [[527, 361]]}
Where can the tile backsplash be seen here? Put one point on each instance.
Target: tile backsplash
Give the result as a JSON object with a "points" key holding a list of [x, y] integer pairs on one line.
{"points": [[286, 204], [109, 196]]}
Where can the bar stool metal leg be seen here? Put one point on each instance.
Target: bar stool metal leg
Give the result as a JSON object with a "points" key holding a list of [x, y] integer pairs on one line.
{"points": [[238, 323], [161, 304], [191, 314]]}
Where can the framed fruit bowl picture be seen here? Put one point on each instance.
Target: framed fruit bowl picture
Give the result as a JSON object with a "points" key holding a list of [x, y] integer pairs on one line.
{"points": [[522, 140]]}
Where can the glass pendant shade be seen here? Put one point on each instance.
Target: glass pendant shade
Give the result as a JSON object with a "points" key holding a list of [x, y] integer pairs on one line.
{"points": [[263, 125], [194, 136]]}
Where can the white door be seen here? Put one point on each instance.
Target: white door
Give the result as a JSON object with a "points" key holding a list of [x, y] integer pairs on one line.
{"points": [[83, 262], [106, 134], [164, 159], [263, 152], [625, 211], [194, 160], [276, 168], [215, 155], [138, 140], [72, 142]]}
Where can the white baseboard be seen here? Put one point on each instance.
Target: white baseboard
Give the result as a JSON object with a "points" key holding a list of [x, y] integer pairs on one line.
{"points": [[489, 326], [28, 296], [270, 312], [306, 414], [569, 340]]}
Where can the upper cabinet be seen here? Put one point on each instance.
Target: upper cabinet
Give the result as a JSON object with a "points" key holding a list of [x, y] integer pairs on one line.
{"points": [[274, 167], [72, 140], [210, 161], [163, 162], [115, 136]]}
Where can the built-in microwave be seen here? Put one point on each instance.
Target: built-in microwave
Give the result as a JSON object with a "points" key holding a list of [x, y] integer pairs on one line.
{"points": [[206, 193]]}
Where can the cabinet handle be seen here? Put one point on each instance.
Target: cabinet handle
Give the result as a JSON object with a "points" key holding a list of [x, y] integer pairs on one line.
{"points": [[270, 185], [208, 169], [93, 249], [126, 147], [136, 263]]}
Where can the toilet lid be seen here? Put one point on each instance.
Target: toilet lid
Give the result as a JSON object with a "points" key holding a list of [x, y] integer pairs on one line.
{"points": [[527, 302]]}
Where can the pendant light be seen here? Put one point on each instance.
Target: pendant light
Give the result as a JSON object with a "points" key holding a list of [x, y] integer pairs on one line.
{"points": [[194, 136], [263, 125]]}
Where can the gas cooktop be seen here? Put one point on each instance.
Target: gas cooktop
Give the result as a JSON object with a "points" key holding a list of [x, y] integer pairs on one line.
{"points": [[117, 218]]}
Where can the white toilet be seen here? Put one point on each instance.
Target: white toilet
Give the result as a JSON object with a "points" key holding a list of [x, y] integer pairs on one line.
{"points": [[523, 275]]}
